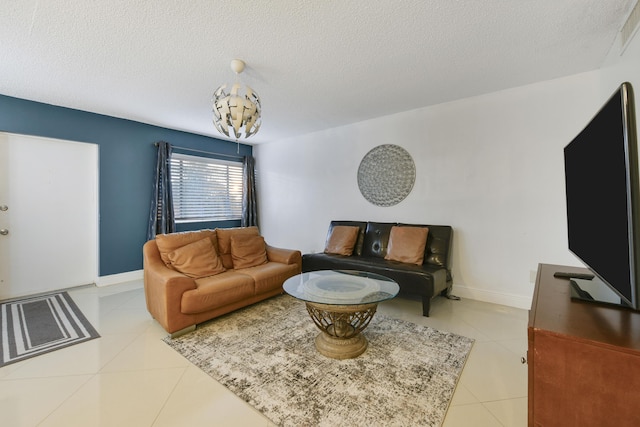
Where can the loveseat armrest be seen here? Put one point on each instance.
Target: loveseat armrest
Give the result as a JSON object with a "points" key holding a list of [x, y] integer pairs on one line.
{"points": [[284, 256], [163, 288]]}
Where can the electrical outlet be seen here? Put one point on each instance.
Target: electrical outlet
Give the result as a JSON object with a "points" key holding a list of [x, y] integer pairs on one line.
{"points": [[532, 276]]}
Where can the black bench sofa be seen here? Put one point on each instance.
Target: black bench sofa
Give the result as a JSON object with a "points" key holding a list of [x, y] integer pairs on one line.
{"points": [[428, 280]]}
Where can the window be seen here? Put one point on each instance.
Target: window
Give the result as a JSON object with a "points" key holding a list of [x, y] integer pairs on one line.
{"points": [[205, 189]]}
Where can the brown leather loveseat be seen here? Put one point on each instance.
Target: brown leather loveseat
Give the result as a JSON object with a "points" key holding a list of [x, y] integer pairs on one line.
{"points": [[418, 260], [195, 276]]}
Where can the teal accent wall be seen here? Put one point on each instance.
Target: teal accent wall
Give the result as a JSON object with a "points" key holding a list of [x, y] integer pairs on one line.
{"points": [[127, 158]]}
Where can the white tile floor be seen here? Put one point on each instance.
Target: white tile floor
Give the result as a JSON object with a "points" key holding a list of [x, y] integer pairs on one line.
{"points": [[129, 377]]}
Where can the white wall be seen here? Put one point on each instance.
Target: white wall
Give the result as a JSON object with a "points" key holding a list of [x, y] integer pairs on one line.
{"points": [[490, 166]]}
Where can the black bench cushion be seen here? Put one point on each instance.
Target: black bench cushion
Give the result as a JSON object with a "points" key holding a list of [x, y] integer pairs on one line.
{"points": [[376, 239], [414, 279]]}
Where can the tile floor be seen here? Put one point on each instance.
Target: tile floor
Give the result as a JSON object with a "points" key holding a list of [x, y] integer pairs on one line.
{"points": [[129, 377]]}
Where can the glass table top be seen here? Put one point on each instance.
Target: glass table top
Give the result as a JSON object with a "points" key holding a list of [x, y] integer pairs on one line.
{"points": [[341, 287]]}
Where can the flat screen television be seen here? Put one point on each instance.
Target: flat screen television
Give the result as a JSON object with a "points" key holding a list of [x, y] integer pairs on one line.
{"points": [[602, 193]]}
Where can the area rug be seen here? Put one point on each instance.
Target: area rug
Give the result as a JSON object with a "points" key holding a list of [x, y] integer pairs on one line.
{"points": [[265, 354], [37, 325]]}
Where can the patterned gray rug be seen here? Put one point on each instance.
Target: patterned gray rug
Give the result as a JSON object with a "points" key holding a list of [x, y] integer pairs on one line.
{"points": [[265, 354], [36, 325]]}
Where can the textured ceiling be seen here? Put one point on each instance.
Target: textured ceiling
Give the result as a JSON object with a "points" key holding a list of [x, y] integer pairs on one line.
{"points": [[315, 64]]}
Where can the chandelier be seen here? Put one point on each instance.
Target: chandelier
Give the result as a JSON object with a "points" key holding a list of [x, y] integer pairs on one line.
{"points": [[236, 113]]}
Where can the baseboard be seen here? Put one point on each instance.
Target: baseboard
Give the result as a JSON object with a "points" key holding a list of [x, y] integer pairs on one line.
{"points": [[113, 279], [517, 301]]}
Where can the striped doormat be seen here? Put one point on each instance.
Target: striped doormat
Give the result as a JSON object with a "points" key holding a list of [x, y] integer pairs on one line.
{"points": [[40, 324]]}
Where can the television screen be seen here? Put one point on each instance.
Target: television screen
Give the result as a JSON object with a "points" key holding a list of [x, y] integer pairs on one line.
{"points": [[601, 177]]}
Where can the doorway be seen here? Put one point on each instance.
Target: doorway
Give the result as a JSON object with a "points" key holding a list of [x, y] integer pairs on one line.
{"points": [[48, 214]]}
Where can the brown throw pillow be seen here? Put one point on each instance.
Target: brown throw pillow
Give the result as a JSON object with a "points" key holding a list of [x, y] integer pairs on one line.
{"points": [[342, 240], [224, 241], [168, 243], [248, 251], [407, 244], [197, 259]]}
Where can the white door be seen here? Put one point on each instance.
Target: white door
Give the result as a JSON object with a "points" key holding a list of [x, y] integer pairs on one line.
{"points": [[48, 214]]}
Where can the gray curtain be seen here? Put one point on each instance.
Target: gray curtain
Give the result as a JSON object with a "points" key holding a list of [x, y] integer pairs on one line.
{"points": [[249, 201], [161, 220]]}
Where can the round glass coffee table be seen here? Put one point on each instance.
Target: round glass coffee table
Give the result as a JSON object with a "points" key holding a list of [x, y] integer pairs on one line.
{"points": [[341, 304]]}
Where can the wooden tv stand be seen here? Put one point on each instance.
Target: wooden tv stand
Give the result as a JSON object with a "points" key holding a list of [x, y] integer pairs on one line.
{"points": [[584, 358]]}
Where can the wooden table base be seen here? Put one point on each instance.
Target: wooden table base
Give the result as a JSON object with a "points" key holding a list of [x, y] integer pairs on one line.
{"points": [[341, 327]]}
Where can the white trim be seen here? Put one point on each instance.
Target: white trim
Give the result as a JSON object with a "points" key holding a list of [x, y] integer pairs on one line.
{"points": [[114, 279], [517, 301]]}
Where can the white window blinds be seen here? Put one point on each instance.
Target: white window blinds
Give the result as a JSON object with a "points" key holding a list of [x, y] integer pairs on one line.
{"points": [[205, 189]]}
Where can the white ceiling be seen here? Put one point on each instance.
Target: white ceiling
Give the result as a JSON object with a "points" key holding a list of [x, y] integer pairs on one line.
{"points": [[316, 64]]}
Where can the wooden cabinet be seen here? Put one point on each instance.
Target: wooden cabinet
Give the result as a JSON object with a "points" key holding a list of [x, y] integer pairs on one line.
{"points": [[584, 358]]}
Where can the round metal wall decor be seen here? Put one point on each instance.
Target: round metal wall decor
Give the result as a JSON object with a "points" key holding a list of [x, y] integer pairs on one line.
{"points": [[386, 175]]}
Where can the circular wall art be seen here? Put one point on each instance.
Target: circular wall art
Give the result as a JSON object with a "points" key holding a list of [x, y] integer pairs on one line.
{"points": [[386, 175]]}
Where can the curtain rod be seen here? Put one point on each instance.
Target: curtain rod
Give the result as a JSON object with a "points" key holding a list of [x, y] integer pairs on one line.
{"points": [[204, 152]]}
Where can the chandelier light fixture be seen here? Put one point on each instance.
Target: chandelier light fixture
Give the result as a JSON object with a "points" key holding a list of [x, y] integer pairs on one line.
{"points": [[236, 113]]}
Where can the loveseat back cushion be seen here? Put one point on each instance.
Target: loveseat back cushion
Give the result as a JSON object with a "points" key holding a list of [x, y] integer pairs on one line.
{"points": [[217, 291], [407, 244], [362, 226], [224, 241], [197, 259], [341, 240], [168, 243], [248, 251], [376, 239]]}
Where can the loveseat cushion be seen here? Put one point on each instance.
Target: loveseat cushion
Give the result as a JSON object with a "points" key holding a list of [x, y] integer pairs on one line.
{"points": [[270, 276], [248, 251], [217, 291], [224, 241], [341, 240], [168, 243], [406, 244], [197, 259]]}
